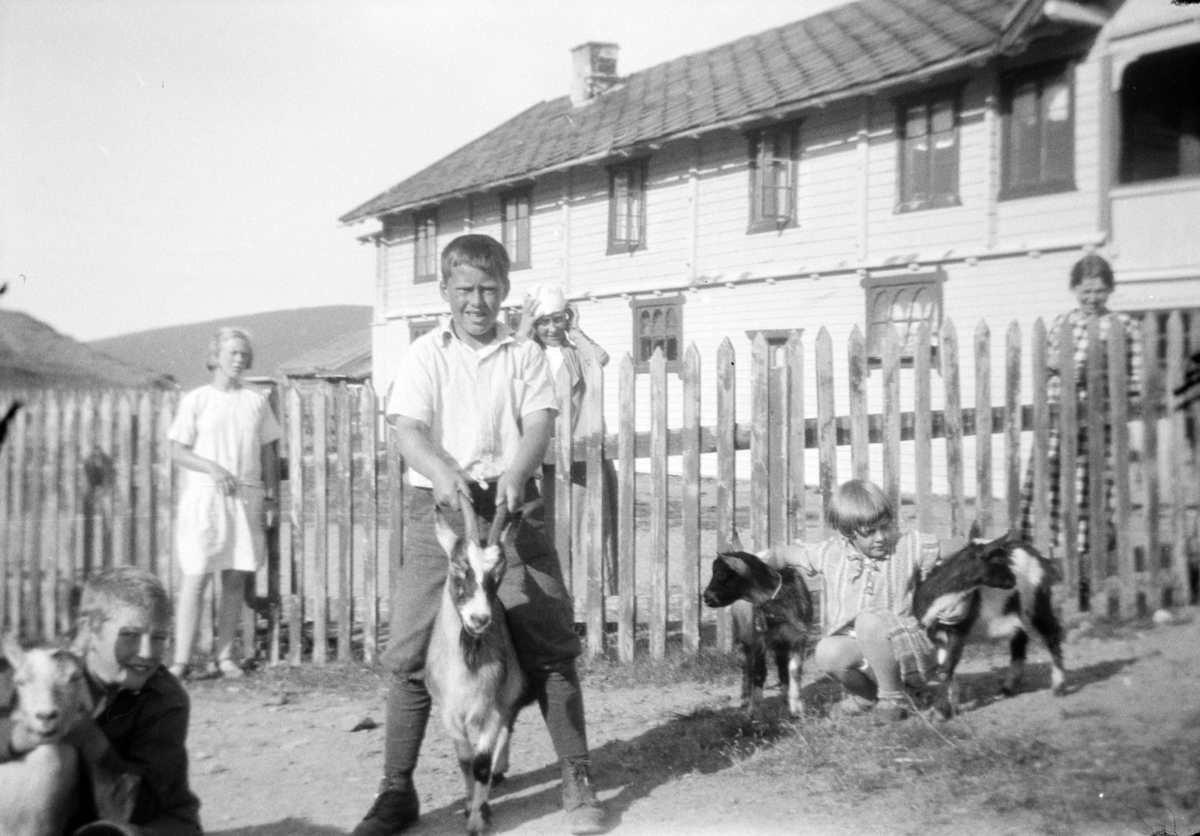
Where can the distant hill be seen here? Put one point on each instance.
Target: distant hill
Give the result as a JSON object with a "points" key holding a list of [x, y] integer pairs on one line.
{"points": [[278, 336]]}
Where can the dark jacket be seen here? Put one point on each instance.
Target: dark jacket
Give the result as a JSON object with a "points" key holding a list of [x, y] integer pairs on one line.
{"points": [[147, 736]]}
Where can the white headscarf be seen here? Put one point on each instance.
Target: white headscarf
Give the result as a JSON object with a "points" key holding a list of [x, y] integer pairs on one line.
{"points": [[549, 299]]}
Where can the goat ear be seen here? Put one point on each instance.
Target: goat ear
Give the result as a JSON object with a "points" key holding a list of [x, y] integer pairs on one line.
{"points": [[11, 649], [445, 534]]}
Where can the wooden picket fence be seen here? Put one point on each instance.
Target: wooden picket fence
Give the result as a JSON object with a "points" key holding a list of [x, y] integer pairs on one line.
{"points": [[85, 482]]}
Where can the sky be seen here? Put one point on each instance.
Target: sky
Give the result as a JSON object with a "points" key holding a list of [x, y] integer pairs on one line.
{"points": [[167, 163]]}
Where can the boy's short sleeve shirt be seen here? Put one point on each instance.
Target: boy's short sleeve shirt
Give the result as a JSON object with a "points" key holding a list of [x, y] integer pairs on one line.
{"points": [[472, 401]]}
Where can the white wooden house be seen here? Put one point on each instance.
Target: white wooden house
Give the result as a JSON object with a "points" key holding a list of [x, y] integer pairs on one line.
{"points": [[888, 161]]}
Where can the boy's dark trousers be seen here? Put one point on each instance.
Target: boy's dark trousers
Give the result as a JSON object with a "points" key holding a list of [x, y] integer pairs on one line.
{"points": [[540, 617]]}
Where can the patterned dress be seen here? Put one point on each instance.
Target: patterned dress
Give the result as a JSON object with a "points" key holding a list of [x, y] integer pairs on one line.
{"points": [[1075, 326], [851, 584]]}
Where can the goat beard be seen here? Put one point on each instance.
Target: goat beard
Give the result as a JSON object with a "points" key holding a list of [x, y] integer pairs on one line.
{"points": [[471, 646]]}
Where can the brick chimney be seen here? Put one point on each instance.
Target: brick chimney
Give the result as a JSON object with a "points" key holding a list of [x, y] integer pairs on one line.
{"points": [[594, 70]]}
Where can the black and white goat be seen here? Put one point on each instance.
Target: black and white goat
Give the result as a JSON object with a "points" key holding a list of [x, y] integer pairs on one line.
{"points": [[471, 667], [772, 610], [991, 589]]}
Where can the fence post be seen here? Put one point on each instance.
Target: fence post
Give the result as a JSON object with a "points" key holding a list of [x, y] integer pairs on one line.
{"points": [[923, 427], [51, 548], [690, 510], [563, 519], [596, 549], [1067, 440], [320, 564], [891, 416], [368, 411], [1118, 384], [143, 507], [726, 472], [760, 447], [626, 524], [659, 549], [860, 459], [30, 474], [344, 491], [1179, 592], [954, 429], [1012, 424], [983, 426], [826, 422], [1041, 432]]}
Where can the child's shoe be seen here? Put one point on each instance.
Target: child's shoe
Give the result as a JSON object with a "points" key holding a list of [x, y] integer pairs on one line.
{"points": [[854, 706]]}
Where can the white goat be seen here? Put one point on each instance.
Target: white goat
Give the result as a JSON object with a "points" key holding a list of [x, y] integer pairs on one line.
{"points": [[471, 667], [40, 790]]}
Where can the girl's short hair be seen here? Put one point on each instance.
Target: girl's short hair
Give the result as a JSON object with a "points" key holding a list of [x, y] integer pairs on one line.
{"points": [[483, 252], [1092, 266], [123, 586], [220, 336], [857, 505]]}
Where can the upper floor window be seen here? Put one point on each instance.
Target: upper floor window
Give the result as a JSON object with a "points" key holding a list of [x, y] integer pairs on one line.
{"points": [[1160, 116], [425, 252], [928, 145], [657, 323], [627, 207], [903, 303], [1039, 131], [514, 226], [773, 178]]}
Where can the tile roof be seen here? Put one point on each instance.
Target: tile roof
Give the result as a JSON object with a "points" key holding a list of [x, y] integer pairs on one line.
{"points": [[833, 54]]}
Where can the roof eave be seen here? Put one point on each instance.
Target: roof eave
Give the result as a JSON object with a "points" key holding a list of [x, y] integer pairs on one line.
{"points": [[791, 109]]}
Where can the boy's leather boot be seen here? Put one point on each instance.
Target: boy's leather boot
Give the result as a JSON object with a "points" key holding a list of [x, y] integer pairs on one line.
{"points": [[579, 800], [396, 808]]}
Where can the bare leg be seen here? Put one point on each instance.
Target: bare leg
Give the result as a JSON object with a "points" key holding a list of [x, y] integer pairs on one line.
{"points": [[187, 619], [233, 594]]}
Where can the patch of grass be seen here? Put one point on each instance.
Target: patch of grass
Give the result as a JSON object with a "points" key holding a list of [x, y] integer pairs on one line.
{"points": [[708, 666]]}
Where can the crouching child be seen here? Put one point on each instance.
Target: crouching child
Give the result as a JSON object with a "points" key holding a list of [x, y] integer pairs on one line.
{"points": [[132, 748], [867, 573]]}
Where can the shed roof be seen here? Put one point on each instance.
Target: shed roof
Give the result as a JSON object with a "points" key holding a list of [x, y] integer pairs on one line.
{"points": [[834, 54], [348, 356], [33, 354]]}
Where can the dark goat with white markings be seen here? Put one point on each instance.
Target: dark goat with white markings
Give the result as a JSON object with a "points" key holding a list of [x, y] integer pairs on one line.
{"points": [[993, 589], [772, 611]]}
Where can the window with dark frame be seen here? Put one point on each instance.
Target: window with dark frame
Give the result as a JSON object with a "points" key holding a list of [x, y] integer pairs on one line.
{"points": [[773, 178], [657, 323], [903, 303], [1160, 116], [1038, 118], [425, 254], [929, 151], [515, 208], [627, 207]]}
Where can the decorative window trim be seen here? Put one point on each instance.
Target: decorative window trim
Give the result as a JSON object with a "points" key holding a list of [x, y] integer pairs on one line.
{"points": [[1008, 84], [875, 286], [929, 100], [423, 261], [674, 303], [623, 238], [515, 233], [760, 221]]}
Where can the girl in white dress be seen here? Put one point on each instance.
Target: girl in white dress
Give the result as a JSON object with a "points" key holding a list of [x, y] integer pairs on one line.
{"points": [[224, 437]]}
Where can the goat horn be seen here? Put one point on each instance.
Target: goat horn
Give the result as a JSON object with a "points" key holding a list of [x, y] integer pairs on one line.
{"points": [[468, 514], [498, 522]]}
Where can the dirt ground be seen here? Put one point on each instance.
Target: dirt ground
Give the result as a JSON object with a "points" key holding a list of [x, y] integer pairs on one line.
{"points": [[1119, 754]]}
